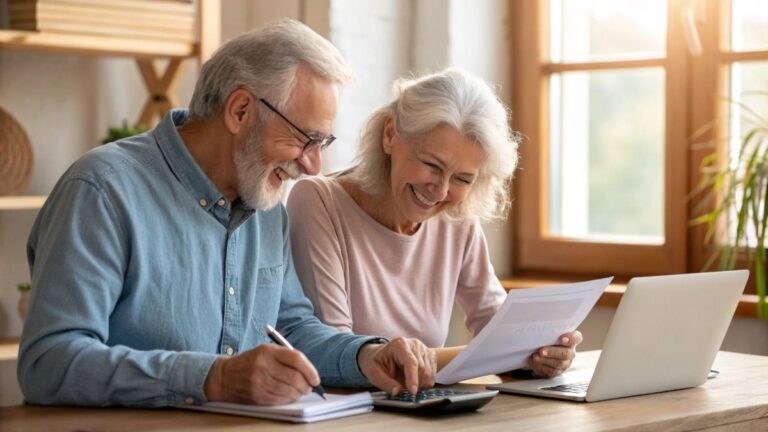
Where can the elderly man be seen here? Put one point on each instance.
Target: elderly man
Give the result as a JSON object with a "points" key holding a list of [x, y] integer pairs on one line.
{"points": [[158, 260]]}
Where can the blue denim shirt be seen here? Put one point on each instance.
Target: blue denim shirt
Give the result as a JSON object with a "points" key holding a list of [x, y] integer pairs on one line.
{"points": [[143, 273]]}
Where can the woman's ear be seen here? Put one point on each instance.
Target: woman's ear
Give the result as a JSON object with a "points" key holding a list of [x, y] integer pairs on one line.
{"points": [[388, 135], [238, 112]]}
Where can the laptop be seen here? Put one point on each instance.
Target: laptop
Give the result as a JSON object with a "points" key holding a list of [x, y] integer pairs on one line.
{"points": [[664, 336]]}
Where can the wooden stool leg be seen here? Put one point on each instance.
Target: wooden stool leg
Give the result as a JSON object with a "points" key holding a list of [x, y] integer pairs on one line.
{"points": [[161, 88]]}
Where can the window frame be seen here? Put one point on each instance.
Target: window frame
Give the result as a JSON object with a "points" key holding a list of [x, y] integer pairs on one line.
{"points": [[535, 251]]}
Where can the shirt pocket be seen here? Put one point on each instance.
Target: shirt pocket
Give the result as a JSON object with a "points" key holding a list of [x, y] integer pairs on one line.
{"points": [[269, 290], [269, 276]]}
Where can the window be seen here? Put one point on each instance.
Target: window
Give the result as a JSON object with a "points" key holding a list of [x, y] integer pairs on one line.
{"points": [[608, 94], [732, 66]]}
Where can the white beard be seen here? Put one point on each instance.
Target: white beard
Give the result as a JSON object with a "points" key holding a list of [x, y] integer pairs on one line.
{"points": [[253, 174]]}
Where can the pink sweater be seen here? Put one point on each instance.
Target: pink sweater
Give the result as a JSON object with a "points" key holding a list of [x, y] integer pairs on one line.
{"points": [[365, 278]]}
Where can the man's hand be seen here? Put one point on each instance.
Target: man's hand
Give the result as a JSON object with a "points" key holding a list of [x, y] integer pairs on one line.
{"points": [[266, 375], [402, 363], [550, 361]]}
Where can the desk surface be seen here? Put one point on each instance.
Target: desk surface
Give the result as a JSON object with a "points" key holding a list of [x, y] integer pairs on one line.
{"points": [[736, 400]]}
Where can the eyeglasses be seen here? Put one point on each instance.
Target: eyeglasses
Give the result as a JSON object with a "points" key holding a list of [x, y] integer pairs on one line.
{"points": [[311, 142]]}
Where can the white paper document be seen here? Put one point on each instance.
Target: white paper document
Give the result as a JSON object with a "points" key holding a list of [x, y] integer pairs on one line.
{"points": [[310, 408], [529, 319]]}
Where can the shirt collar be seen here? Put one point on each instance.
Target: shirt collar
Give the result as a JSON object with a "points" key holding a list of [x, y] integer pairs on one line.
{"points": [[183, 165]]}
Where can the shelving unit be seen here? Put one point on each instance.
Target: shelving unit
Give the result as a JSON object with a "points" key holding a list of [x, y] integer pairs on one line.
{"points": [[94, 45], [160, 62], [27, 202]]}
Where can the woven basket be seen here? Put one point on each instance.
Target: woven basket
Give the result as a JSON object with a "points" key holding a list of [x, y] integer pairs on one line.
{"points": [[15, 156]]}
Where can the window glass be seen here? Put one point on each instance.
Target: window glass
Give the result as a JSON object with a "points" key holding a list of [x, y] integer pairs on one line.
{"points": [[749, 110], [598, 30], [606, 155], [749, 25]]}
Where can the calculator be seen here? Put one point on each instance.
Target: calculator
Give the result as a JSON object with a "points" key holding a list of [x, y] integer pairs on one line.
{"points": [[434, 401]]}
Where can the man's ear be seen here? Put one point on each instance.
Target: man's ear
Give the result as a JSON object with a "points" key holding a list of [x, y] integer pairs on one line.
{"points": [[387, 135], [238, 110]]}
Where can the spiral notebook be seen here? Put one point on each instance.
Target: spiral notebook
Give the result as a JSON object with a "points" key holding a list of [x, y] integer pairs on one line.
{"points": [[310, 408]]}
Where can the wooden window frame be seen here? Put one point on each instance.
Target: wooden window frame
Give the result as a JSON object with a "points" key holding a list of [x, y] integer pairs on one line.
{"points": [[534, 252]]}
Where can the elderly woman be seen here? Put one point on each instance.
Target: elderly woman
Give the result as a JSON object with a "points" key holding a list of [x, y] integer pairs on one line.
{"points": [[388, 246]]}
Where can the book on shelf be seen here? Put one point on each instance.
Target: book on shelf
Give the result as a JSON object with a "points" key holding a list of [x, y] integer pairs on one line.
{"points": [[24, 12], [117, 18], [98, 29], [310, 408], [175, 7]]}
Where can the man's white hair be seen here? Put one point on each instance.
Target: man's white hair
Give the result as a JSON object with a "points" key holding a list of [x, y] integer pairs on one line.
{"points": [[264, 61], [464, 102]]}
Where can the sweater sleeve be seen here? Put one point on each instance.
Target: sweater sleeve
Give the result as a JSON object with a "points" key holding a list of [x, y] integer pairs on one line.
{"points": [[318, 252], [479, 292]]}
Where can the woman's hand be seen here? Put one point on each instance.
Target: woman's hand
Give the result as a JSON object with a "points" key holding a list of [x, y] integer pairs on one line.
{"points": [[550, 361]]}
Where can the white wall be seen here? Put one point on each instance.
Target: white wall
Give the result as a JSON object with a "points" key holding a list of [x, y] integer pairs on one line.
{"points": [[374, 38]]}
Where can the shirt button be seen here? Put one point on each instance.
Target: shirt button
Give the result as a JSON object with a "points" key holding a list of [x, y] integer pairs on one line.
{"points": [[203, 202], [230, 351], [221, 202], [189, 401], [231, 291]]}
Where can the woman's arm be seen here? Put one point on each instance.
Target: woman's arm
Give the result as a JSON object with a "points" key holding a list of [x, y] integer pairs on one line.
{"points": [[479, 293], [446, 354], [317, 252]]}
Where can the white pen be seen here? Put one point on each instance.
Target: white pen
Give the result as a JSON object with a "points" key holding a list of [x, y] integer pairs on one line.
{"points": [[280, 340]]}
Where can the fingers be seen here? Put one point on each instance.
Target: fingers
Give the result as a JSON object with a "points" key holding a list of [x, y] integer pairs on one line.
{"points": [[543, 370], [401, 363], [276, 392], [420, 364], [571, 339], [380, 370], [266, 375], [556, 353], [552, 360], [429, 361], [411, 369], [297, 361], [406, 355]]}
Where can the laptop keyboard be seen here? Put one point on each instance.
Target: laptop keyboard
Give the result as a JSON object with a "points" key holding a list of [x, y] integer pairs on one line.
{"points": [[424, 395], [579, 387]]}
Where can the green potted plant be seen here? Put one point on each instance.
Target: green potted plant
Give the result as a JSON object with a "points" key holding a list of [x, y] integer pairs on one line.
{"points": [[124, 131], [24, 289], [736, 194]]}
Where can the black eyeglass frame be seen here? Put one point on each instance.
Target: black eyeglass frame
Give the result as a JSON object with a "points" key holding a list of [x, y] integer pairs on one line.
{"points": [[323, 142]]}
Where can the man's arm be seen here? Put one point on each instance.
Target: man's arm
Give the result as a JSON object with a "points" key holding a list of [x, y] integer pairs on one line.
{"points": [[78, 256]]}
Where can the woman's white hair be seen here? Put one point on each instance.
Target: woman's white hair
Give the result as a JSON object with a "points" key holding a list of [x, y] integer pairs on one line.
{"points": [[264, 61], [464, 102]]}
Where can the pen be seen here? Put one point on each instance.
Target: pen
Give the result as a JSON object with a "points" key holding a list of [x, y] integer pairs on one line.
{"points": [[280, 340]]}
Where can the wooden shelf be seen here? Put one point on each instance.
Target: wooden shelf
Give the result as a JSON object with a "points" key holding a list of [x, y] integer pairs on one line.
{"points": [[9, 349], [21, 202], [95, 45]]}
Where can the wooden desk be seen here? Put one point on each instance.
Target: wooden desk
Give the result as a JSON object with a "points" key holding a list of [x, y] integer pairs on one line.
{"points": [[736, 400]]}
